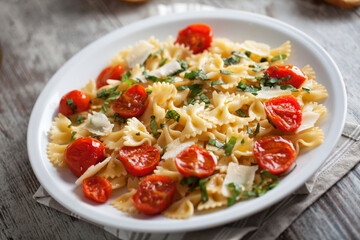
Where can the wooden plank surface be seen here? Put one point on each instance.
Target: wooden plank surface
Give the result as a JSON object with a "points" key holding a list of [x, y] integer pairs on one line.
{"points": [[39, 36]]}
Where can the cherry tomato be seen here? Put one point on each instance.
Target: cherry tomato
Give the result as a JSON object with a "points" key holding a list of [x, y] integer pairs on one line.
{"points": [[97, 188], [83, 153], [196, 161], [155, 194], [295, 75], [114, 72], [276, 154], [74, 102], [197, 37], [132, 103], [141, 160], [284, 112]]}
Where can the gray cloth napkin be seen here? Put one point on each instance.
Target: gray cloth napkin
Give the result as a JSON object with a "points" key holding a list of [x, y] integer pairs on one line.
{"points": [[260, 226]]}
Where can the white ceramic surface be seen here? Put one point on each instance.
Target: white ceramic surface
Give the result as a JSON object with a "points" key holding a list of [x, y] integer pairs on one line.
{"points": [[235, 25]]}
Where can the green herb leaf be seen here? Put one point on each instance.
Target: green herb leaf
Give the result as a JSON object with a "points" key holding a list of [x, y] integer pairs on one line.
{"points": [[279, 57], [231, 60], [162, 62], [226, 72], [79, 119], [192, 182], [184, 66], [307, 89], [288, 86], [104, 93], [154, 127], [216, 143], [196, 74], [257, 129], [248, 53], [163, 152], [246, 88], [202, 184], [172, 114], [72, 136], [242, 142], [265, 173], [269, 120], [125, 78], [158, 53], [235, 190], [264, 59], [218, 82], [137, 134], [241, 113], [205, 99], [95, 136], [111, 94], [249, 194], [71, 105], [118, 118], [229, 146], [148, 92], [239, 54]]}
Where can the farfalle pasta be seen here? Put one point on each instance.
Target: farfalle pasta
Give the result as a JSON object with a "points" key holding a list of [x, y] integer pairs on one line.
{"points": [[221, 100]]}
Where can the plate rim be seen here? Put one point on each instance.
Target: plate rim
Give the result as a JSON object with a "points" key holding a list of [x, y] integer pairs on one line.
{"points": [[155, 20]]}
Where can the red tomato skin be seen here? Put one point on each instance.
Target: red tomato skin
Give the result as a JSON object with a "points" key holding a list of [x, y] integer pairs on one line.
{"points": [[189, 164], [131, 103], [198, 37], [276, 154], [298, 77], [111, 72], [97, 188], [284, 112], [80, 100], [155, 194], [83, 153], [141, 160]]}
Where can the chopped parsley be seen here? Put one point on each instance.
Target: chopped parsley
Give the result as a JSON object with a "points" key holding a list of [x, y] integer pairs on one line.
{"points": [[79, 119], [229, 146], [172, 114], [154, 127], [71, 104], [279, 57], [235, 193]]}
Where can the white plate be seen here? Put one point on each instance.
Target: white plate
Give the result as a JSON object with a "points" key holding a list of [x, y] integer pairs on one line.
{"points": [[234, 25]]}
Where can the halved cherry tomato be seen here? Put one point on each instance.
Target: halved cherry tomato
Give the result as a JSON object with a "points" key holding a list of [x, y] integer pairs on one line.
{"points": [[132, 103], [196, 161], [197, 37], [141, 160], [276, 154], [97, 188], [295, 75], [155, 194], [114, 72], [284, 112], [74, 102], [82, 153]]}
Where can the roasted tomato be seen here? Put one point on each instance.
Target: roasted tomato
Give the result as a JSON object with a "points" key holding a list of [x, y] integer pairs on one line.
{"points": [[74, 102], [284, 112], [155, 194], [295, 76], [196, 161], [97, 188], [141, 160], [112, 72], [276, 154], [197, 37], [83, 153], [132, 103]]}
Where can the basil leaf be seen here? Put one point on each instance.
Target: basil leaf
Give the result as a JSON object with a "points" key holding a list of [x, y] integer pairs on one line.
{"points": [[242, 142], [112, 95], [216, 143], [241, 113], [148, 92], [95, 136], [269, 120], [246, 88], [118, 118], [125, 78], [288, 86], [158, 53], [151, 78], [226, 72], [248, 53], [79, 119], [266, 173], [218, 82], [264, 59], [71, 104], [249, 194], [163, 152], [257, 129], [249, 130], [236, 191], [231, 60], [229, 146], [72, 136], [137, 134], [202, 184], [154, 127], [162, 62], [279, 57], [204, 98], [239, 54], [196, 74], [104, 93], [307, 89], [172, 114], [192, 182], [184, 66]]}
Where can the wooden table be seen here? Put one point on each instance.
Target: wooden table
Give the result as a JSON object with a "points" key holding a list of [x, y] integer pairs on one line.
{"points": [[39, 36]]}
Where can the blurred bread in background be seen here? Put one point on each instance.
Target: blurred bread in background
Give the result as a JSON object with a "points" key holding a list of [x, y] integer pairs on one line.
{"points": [[347, 4]]}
